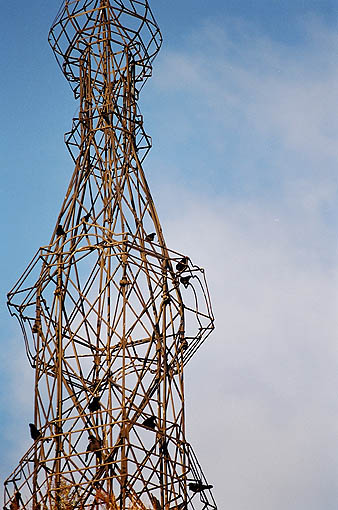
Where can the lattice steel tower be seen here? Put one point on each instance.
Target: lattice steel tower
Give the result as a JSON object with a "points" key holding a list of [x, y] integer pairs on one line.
{"points": [[109, 315]]}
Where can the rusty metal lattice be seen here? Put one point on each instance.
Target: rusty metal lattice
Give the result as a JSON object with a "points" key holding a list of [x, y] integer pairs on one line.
{"points": [[109, 315]]}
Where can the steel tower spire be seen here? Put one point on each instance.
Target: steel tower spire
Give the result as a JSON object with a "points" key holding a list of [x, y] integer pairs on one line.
{"points": [[109, 314]]}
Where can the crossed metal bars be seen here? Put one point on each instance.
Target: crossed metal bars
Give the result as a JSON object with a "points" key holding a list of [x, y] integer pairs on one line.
{"points": [[109, 315]]}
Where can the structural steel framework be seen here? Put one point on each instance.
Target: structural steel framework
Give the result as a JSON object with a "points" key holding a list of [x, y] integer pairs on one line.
{"points": [[109, 315]]}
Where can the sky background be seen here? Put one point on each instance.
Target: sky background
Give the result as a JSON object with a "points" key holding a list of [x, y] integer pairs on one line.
{"points": [[243, 112]]}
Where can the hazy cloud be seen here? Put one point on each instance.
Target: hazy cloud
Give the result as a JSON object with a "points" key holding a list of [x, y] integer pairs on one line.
{"points": [[265, 112], [266, 379]]}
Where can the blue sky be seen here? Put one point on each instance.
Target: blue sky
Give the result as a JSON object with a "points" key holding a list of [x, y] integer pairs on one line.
{"points": [[242, 109]]}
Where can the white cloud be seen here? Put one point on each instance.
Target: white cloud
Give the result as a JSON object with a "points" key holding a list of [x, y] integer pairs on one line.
{"points": [[266, 379], [248, 94]]}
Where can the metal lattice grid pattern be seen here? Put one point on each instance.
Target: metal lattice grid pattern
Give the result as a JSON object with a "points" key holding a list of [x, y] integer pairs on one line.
{"points": [[109, 315]]}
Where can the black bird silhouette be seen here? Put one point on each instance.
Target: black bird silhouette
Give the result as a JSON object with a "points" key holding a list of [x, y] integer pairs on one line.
{"points": [[185, 281], [35, 432], [182, 264], [94, 445], [184, 345], [199, 486], [86, 217], [150, 422], [36, 326], [150, 237], [105, 115], [94, 405], [60, 231], [164, 448]]}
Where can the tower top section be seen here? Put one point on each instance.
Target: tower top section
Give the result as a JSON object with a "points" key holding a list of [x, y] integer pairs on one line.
{"points": [[120, 26]]}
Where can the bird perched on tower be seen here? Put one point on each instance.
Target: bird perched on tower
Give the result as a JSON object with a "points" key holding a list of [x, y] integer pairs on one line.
{"points": [[35, 432], [94, 445], [199, 486]]}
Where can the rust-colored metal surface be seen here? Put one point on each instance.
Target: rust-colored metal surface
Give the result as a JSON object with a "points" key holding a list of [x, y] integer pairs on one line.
{"points": [[109, 314]]}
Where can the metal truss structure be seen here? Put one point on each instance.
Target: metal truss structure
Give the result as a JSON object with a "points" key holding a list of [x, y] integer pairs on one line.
{"points": [[109, 314]]}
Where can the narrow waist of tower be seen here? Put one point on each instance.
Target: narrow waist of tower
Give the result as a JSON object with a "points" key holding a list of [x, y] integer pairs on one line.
{"points": [[107, 91]]}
